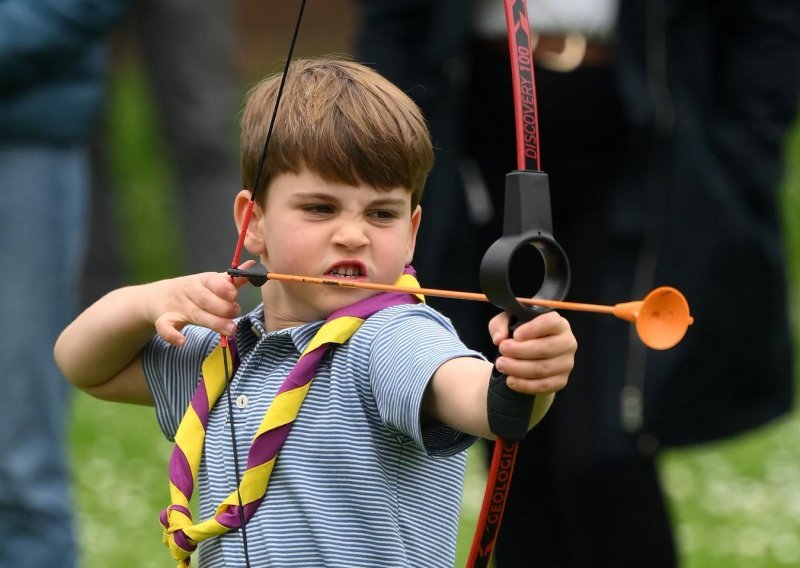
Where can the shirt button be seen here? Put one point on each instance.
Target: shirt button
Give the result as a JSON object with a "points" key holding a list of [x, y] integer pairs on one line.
{"points": [[241, 401]]}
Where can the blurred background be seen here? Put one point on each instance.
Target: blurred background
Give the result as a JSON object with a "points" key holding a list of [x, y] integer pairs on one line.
{"points": [[735, 503]]}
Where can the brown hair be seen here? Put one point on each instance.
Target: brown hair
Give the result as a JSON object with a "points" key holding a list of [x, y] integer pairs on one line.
{"points": [[342, 121]]}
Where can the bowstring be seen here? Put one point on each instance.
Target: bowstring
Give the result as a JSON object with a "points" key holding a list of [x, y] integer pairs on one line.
{"points": [[235, 263]]}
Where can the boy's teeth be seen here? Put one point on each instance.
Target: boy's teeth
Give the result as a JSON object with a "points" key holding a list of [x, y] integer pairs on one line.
{"points": [[346, 272]]}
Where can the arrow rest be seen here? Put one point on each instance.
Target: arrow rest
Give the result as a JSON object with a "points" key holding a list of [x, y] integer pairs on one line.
{"points": [[256, 274]]}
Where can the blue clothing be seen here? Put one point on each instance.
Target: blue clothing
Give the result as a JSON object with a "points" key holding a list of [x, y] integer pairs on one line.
{"points": [[51, 81], [42, 209], [359, 481], [52, 67]]}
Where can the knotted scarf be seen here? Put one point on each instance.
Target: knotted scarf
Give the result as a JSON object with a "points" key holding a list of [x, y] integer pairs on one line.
{"points": [[181, 534]]}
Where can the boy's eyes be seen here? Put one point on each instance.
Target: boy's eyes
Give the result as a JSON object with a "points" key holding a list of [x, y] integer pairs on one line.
{"points": [[383, 214], [318, 208], [328, 209]]}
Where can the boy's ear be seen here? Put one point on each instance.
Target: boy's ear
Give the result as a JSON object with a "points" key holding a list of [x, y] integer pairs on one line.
{"points": [[416, 217], [253, 241]]}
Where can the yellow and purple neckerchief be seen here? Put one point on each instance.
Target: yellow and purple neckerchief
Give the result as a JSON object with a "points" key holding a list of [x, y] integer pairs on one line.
{"points": [[181, 534]]}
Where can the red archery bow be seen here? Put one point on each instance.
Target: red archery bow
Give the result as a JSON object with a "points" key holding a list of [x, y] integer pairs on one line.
{"points": [[527, 222]]}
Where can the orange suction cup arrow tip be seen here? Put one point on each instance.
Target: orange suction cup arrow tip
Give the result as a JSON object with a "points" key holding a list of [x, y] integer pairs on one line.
{"points": [[662, 318]]}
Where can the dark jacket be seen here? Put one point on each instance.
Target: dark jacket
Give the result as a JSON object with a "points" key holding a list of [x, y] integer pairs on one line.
{"points": [[711, 93], [51, 67]]}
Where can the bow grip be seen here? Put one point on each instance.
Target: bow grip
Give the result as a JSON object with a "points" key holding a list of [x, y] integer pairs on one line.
{"points": [[527, 222]]}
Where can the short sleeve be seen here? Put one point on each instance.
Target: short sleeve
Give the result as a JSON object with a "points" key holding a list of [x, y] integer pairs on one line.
{"points": [[408, 348], [173, 374]]}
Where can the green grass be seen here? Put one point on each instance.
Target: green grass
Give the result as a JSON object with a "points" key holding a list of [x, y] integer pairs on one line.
{"points": [[735, 503], [120, 466], [738, 503]]}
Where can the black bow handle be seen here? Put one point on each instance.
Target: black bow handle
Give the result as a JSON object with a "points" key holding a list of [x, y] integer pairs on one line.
{"points": [[527, 222]]}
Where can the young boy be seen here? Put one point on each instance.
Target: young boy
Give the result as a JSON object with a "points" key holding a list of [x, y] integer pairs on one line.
{"points": [[371, 473]]}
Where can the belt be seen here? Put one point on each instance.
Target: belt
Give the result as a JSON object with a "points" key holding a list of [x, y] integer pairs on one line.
{"points": [[563, 52]]}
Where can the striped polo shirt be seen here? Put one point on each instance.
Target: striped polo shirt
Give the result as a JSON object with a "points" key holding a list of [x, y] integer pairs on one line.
{"points": [[359, 481]]}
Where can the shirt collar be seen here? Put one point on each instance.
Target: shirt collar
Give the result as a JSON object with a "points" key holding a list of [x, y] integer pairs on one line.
{"points": [[251, 328]]}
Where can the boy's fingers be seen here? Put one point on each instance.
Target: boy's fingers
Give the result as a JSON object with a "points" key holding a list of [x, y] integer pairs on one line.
{"points": [[539, 347], [550, 323], [535, 369], [498, 328], [208, 304], [219, 284], [214, 320], [534, 377], [168, 326], [540, 357], [240, 281], [210, 294], [540, 386]]}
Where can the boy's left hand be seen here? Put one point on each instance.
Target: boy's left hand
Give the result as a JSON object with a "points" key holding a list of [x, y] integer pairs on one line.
{"points": [[539, 356]]}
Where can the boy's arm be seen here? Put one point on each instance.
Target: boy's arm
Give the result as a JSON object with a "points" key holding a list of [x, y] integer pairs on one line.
{"points": [[100, 351], [537, 360]]}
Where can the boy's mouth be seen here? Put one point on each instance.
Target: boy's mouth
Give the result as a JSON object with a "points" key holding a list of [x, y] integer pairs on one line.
{"points": [[347, 271]]}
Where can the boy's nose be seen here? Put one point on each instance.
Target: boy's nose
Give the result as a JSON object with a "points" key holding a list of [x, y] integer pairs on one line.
{"points": [[350, 235]]}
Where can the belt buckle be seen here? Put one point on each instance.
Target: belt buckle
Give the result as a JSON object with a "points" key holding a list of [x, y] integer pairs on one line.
{"points": [[570, 57]]}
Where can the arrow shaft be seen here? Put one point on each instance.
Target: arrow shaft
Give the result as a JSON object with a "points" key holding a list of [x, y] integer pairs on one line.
{"points": [[454, 294]]}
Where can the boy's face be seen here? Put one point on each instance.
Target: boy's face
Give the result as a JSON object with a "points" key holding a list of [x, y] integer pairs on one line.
{"points": [[312, 227]]}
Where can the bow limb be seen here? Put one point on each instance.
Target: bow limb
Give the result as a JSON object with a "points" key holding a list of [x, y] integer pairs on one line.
{"points": [[527, 222]]}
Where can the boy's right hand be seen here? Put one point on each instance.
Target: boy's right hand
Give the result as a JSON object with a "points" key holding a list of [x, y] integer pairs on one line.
{"points": [[207, 299], [101, 351]]}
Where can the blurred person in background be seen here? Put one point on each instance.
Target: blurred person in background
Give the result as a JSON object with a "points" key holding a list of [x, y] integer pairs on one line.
{"points": [[661, 130], [186, 48], [52, 67]]}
